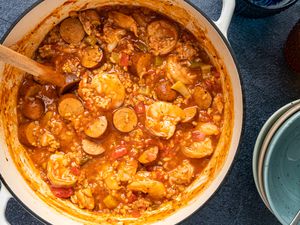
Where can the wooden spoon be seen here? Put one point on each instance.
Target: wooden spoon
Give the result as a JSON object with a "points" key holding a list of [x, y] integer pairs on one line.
{"points": [[30, 66]]}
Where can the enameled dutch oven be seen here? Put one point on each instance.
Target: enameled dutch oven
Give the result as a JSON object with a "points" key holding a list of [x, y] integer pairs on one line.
{"points": [[22, 181]]}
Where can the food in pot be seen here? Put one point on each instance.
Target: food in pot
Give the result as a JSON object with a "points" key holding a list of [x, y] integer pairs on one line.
{"points": [[143, 122]]}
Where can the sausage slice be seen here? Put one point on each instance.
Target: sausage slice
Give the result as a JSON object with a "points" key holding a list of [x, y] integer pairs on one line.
{"points": [[162, 37], [70, 105], [27, 134], [164, 91], [125, 119], [202, 97], [92, 148], [33, 108], [71, 30], [190, 113], [141, 63], [96, 128]]}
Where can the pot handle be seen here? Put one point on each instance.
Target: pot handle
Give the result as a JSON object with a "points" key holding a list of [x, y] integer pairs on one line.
{"points": [[226, 15], [4, 197]]}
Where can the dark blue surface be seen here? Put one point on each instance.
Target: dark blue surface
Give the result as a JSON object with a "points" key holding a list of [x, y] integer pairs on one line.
{"points": [[268, 85]]}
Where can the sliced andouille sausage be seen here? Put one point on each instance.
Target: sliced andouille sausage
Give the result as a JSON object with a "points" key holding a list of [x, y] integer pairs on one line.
{"points": [[72, 82], [91, 56], [89, 19], [33, 108], [92, 148], [141, 63], [164, 92], [29, 88], [69, 105], [162, 37], [190, 113], [96, 128], [202, 97], [124, 21], [149, 155], [71, 30], [32, 91], [27, 134], [125, 119]]}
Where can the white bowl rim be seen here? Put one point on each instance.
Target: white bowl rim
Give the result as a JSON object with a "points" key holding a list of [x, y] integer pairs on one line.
{"points": [[264, 148], [268, 156], [258, 144]]}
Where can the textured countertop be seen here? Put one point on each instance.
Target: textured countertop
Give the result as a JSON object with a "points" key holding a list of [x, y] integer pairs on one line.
{"points": [[268, 85]]}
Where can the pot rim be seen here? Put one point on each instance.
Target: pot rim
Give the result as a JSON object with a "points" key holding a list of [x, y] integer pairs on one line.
{"points": [[237, 152]]}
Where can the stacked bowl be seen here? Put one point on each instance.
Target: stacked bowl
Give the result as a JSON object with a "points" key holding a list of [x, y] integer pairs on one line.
{"points": [[276, 162]]}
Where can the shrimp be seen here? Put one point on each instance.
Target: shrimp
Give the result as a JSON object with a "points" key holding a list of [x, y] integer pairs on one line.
{"points": [[198, 150], [154, 188], [106, 91], [127, 169], [89, 20], [178, 72], [182, 174], [59, 170], [162, 118], [162, 37], [112, 37], [124, 21], [208, 129], [84, 199]]}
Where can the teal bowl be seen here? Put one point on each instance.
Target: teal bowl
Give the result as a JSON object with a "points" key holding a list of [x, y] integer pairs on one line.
{"points": [[281, 171], [258, 144]]}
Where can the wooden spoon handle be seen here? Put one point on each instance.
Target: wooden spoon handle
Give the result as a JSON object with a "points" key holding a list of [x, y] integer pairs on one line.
{"points": [[30, 66]]}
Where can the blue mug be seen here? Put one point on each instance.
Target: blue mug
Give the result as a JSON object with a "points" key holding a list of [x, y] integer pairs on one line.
{"points": [[262, 8]]}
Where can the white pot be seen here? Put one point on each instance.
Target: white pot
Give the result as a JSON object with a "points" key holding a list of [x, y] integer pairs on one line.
{"points": [[13, 156]]}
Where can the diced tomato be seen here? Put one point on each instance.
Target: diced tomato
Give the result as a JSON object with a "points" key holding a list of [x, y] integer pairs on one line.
{"points": [[216, 74], [124, 60], [209, 85], [151, 142], [140, 108], [75, 171], [204, 116], [132, 198], [136, 213], [198, 136], [62, 192], [160, 175], [119, 152], [133, 153]]}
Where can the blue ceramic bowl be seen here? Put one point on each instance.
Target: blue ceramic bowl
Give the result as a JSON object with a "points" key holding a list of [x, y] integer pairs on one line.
{"points": [[262, 8], [258, 144], [282, 170]]}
